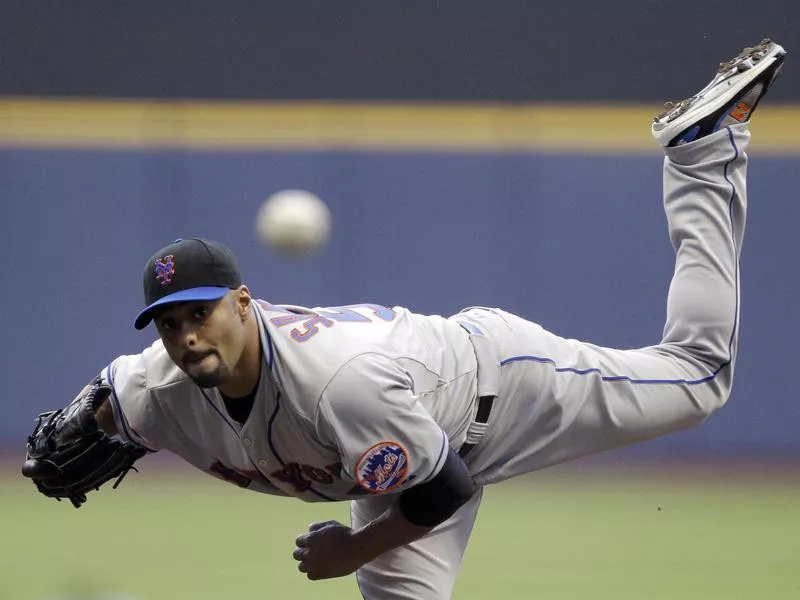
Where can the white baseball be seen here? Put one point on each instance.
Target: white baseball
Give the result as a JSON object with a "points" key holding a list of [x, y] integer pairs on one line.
{"points": [[293, 222]]}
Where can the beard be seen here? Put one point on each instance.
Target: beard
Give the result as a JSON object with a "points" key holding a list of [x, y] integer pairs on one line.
{"points": [[211, 378]]}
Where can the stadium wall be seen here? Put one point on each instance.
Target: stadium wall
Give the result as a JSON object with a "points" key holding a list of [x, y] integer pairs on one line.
{"points": [[455, 50], [436, 207]]}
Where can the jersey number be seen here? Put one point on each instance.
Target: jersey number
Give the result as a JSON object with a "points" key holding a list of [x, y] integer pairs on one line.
{"points": [[309, 325]]}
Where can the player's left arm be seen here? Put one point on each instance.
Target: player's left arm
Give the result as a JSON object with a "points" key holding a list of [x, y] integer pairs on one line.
{"points": [[105, 418], [389, 444], [71, 453]]}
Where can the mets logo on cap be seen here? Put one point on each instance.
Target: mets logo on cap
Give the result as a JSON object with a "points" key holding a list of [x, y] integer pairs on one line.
{"points": [[382, 467], [165, 269]]}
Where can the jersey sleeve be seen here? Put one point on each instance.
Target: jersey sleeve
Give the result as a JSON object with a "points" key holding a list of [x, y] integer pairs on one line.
{"points": [[134, 412], [387, 441]]}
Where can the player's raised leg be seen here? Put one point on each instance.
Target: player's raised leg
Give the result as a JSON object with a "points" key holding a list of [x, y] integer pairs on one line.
{"points": [[705, 199], [561, 399]]}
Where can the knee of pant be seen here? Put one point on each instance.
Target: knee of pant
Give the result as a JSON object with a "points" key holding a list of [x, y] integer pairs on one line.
{"points": [[710, 378], [713, 397], [709, 356]]}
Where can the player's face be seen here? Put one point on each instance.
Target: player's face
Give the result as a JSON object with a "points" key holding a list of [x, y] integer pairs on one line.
{"points": [[205, 339]]}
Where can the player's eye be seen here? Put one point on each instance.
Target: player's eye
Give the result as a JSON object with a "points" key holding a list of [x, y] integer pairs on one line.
{"points": [[166, 324], [200, 313]]}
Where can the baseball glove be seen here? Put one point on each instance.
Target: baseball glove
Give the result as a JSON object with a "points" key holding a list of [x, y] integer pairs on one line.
{"points": [[69, 455]]}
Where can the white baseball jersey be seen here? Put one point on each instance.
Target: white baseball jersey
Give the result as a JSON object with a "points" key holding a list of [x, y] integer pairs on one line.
{"points": [[352, 400]]}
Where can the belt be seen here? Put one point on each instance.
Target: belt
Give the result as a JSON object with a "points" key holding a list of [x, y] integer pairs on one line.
{"points": [[487, 355], [481, 417]]}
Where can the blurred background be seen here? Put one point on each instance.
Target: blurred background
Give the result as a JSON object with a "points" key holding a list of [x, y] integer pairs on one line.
{"points": [[471, 153]]}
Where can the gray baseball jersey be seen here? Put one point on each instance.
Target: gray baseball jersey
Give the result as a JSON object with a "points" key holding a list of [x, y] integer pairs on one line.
{"points": [[352, 400], [363, 401]]}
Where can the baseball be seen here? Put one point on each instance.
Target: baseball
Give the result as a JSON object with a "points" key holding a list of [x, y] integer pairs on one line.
{"points": [[293, 222]]}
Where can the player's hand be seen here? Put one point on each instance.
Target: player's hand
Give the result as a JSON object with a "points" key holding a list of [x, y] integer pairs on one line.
{"points": [[328, 550]]}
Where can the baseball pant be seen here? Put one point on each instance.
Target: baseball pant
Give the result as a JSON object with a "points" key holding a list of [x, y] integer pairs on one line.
{"points": [[561, 399]]}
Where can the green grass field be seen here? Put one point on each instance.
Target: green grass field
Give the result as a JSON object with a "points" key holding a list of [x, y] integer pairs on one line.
{"points": [[171, 534]]}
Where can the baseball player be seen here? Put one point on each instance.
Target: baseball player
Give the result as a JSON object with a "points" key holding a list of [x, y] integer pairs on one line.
{"points": [[409, 416]]}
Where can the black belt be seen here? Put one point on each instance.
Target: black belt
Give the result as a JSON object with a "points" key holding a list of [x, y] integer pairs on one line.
{"points": [[482, 416]]}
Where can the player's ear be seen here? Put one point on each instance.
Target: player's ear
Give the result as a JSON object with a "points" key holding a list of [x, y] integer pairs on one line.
{"points": [[243, 301]]}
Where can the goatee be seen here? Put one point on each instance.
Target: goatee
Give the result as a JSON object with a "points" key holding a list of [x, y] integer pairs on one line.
{"points": [[208, 380]]}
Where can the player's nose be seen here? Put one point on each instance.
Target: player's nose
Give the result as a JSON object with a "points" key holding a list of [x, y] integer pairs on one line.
{"points": [[187, 337]]}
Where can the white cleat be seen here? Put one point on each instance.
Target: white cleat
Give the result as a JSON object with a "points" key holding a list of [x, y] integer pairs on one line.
{"points": [[731, 97]]}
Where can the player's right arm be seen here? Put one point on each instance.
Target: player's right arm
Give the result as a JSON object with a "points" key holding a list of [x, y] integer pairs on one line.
{"points": [[418, 510], [388, 443]]}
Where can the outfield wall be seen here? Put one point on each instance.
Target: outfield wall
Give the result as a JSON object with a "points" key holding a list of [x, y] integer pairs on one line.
{"points": [[434, 213], [455, 50]]}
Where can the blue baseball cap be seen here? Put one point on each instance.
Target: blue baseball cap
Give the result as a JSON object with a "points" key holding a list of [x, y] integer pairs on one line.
{"points": [[188, 270]]}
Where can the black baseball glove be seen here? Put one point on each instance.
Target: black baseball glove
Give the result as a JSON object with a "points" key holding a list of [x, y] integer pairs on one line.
{"points": [[69, 455]]}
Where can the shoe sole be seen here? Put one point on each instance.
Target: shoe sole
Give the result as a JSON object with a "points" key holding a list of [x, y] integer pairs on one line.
{"points": [[732, 77]]}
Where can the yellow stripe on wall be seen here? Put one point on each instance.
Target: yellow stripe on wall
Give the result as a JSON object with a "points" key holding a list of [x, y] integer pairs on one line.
{"points": [[469, 127]]}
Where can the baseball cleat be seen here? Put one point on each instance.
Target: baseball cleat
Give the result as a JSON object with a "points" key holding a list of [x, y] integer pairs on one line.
{"points": [[730, 97]]}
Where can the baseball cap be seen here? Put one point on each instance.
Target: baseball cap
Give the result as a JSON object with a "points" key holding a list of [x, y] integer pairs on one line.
{"points": [[187, 270]]}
